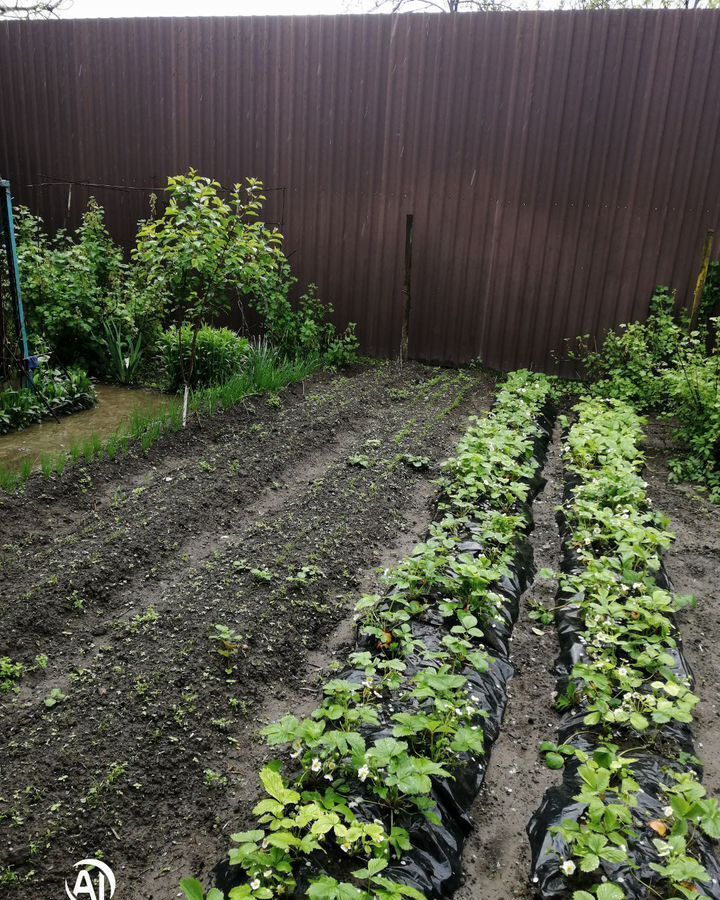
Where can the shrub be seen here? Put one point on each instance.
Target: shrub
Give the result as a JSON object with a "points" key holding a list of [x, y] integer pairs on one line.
{"points": [[694, 392], [88, 306], [73, 284], [67, 284], [57, 392], [658, 366], [630, 366], [307, 330], [219, 355], [204, 250]]}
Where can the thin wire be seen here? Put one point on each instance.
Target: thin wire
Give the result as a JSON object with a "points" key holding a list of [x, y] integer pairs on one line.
{"points": [[53, 181]]}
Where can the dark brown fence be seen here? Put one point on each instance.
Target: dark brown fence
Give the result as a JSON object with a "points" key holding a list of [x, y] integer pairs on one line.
{"points": [[557, 164]]}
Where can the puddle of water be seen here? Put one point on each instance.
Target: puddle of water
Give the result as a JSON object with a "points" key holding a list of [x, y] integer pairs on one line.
{"points": [[115, 406]]}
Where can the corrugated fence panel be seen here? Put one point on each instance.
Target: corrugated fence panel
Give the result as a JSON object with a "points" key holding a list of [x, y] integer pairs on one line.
{"points": [[558, 165]]}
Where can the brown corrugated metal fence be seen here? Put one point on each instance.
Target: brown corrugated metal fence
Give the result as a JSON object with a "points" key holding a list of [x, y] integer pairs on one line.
{"points": [[557, 164]]}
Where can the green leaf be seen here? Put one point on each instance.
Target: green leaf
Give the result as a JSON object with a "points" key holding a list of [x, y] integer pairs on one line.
{"points": [[283, 839], [374, 866], [610, 891], [710, 822], [247, 837], [638, 721], [273, 784], [468, 740], [192, 889], [589, 862]]}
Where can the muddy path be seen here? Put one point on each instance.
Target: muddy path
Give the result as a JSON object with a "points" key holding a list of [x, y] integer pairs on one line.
{"points": [[693, 564], [268, 520]]}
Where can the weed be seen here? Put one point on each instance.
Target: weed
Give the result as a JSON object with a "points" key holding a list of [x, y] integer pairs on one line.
{"points": [[414, 462], [10, 674], [143, 620], [264, 574], [54, 697], [214, 779], [360, 460]]}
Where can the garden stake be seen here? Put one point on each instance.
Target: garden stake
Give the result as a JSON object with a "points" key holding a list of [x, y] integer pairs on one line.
{"points": [[405, 339], [702, 276]]}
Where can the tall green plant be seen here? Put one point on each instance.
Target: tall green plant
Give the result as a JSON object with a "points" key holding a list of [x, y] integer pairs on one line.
{"points": [[219, 355], [64, 282], [205, 249], [123, 350], [73, 284]]}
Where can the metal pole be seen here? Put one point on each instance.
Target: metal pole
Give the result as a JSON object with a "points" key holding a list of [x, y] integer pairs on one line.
{"points": [[407, 287], [14, 274]]}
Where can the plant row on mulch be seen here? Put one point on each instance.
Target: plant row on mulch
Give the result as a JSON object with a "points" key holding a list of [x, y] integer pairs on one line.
{"points": [[371, 797], [631, 818]]}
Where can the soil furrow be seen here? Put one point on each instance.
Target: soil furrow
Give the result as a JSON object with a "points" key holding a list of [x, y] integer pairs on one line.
{"points": [[143, 528], [497, 854], [692, 564]]}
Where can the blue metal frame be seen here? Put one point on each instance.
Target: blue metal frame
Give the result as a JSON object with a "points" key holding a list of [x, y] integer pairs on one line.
{"points": [[8, 228]]}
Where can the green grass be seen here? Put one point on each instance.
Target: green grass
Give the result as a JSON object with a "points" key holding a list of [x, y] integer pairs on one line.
{"points": [[265, 372]]}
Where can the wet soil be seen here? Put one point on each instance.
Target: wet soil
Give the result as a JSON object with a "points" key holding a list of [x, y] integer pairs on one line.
{"points": [[115, 407], [269, 520], [693, 564]]}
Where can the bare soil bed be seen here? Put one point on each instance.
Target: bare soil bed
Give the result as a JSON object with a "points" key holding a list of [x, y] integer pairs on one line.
{"points": [[117, 574]]}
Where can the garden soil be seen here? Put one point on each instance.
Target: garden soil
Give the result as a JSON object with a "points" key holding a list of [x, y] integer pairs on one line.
{"points": [[693, 564], [270, 519], [129, 740]]}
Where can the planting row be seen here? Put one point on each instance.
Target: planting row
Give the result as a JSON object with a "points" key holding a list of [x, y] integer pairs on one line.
{"points": [[631, 818], [371, 799]]}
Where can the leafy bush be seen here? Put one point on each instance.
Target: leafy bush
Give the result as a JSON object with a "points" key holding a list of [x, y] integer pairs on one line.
{"points": [[73, 284], [694, 394], [67, 284], [660, 366], [88, 306], [630, 366], [220, 353], [205, 251], [308, 329], [59, 392]]}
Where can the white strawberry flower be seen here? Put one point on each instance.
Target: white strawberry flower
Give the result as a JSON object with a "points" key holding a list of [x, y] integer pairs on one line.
{"points": [[316, 765], [568, 867], [363, 773]]}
